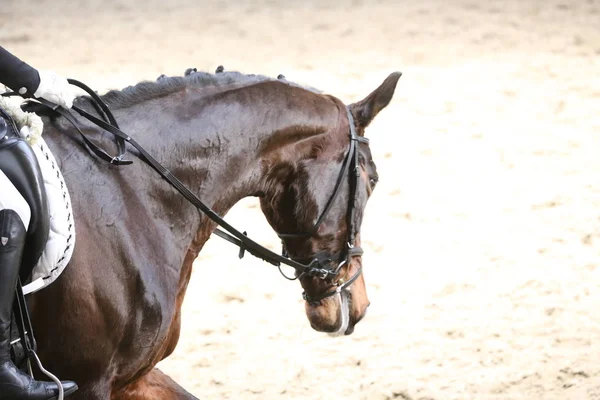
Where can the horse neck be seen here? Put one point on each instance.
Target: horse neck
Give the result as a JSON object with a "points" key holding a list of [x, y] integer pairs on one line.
{"points": [[219, 144]]}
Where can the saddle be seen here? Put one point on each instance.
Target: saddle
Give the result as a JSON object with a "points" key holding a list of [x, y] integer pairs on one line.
{"points": [[19, 163], [36, 174]]}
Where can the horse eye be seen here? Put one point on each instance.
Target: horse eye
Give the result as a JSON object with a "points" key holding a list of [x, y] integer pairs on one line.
{"points": [[373, 182]]}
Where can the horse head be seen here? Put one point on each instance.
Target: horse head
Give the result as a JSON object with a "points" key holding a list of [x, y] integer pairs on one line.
{"points": [[316, 199]]}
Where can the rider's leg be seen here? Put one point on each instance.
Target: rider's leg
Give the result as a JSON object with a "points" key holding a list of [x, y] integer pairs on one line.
{"points": [[15, 385]]}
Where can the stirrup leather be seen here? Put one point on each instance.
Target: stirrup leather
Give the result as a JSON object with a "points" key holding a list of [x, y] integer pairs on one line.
{"points": [[26, 343]]}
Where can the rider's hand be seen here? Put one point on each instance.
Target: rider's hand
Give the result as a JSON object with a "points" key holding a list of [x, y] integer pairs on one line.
{"points": [[55, 89]]}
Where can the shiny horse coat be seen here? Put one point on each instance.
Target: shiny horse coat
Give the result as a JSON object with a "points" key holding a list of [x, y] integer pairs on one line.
{"points": [[115, 312]]}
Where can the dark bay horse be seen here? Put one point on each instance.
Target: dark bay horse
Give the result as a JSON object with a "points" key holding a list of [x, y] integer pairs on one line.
{"points": [[115, 312]]}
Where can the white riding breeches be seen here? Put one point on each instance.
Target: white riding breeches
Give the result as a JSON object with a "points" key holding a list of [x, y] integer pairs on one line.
{"points": [[11, 199]]}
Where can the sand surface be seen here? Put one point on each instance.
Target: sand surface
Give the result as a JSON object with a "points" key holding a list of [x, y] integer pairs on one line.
{"points": [[482, 239]]}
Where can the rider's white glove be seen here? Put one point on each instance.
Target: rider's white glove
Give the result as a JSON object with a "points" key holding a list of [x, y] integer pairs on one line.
{"points": [[55, 89]]}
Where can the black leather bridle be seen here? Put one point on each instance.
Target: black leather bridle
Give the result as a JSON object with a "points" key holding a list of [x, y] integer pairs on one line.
{"points": [[351, 168], [318, 266]]}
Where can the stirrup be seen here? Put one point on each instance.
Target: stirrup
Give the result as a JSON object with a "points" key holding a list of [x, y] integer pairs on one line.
{"points": [[28, 339]]}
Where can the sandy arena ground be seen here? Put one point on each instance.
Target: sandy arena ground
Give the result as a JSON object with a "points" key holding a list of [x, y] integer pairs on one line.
{"points": [[483, 238]]}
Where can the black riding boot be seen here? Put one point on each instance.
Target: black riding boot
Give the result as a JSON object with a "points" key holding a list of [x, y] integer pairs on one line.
{"points": [[14, 384]]}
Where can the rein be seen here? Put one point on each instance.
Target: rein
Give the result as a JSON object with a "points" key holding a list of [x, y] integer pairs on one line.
{"points": [[315, 267]]}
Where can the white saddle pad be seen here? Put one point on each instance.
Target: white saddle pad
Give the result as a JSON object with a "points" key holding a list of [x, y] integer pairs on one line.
{"points": [[61, 239]]}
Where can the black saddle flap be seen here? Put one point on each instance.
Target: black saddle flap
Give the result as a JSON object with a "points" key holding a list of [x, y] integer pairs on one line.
{"points": [[19, 163]]}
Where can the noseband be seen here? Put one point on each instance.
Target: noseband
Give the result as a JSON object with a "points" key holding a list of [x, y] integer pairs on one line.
{"points": [[318, 266]]}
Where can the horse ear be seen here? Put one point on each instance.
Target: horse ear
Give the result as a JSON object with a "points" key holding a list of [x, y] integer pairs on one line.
{"points": [[365, 110]]}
